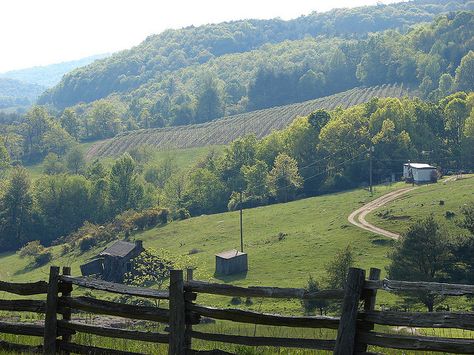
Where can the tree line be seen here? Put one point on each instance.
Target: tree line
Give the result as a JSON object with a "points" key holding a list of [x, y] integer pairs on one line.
{"points": [[323, 152]]}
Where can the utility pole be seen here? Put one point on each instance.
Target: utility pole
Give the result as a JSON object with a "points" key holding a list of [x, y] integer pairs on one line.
{"points": [[241, 230], [371, 150]]}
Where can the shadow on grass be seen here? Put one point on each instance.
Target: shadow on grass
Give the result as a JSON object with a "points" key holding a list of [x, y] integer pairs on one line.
{"points": [[231, 278]]}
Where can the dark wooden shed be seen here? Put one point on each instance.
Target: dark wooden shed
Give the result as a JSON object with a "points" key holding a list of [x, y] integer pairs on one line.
{"points": [[114, 262], [231, 262]]}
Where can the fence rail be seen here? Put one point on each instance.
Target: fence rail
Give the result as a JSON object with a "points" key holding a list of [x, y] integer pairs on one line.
{"points": [[354, 329]]}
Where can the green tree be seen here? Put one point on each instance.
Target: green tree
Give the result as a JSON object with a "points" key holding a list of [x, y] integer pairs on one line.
{"points": [[75, 161], [204, 193], [209, 102], [464, 79], [284, 179], [337, 269], [4, 155], [126, 191], [53, 164], [311, 305], [423, 253], [16, 211], [446, 83], [71, 123]]}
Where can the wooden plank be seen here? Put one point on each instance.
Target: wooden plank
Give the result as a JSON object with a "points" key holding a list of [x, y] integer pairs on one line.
{"points": [[258, 291], [239, 315], [414, 286], [66, 292], [96, 284], [187, 294], [92, 305], [50, 319], [114, 332], [24, 289], [177, 345], [18, 328], [35, 306], [406, 342], [369, 297], [420, 319], [346, 333], [20, 348], [90, 350], [318, 344]]}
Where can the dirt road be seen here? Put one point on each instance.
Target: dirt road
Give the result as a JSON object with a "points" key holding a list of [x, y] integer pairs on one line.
{"points": [[357, 217]]}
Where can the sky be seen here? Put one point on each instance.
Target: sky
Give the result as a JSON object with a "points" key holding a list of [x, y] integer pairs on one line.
{"points": [[41, 32]]}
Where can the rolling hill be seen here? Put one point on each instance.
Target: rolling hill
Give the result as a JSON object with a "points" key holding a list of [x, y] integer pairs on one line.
{"points": [[227, 129], [16, 94]]}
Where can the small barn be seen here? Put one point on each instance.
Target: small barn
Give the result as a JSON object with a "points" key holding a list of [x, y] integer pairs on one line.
{"points": [[419, 173], [231, 262], [114, 262]]}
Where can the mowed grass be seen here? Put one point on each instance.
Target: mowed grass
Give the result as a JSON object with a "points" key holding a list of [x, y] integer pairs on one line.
{"points": [[314, 230], [440, 199]]}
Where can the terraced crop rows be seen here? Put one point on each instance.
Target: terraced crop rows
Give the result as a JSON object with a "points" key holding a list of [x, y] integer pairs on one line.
{"points": [[227, 129]]}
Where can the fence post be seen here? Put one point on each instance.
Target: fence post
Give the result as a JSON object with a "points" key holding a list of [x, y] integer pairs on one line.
{"points": [[51, 317], [67, 311], [189, 326], [346, 333], [369, 297], [177, 344]]}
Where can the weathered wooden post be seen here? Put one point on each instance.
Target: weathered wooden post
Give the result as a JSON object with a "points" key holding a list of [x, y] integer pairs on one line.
{"points": [[51, 318], [189, 326], [177, 344], [346, 333], [369, 297], [66, 292]]}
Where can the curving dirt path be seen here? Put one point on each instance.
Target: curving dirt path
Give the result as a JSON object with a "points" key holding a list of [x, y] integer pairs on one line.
{"points": [[357, 217]]}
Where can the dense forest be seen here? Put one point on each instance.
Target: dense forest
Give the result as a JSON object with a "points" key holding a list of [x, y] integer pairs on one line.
{"points": [[323, 152], [197, 74]]}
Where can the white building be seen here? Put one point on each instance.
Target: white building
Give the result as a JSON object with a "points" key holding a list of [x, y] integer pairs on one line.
{"points": [[421, 173]]}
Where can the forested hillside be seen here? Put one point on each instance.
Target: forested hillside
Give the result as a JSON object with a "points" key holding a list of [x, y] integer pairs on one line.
{"points": [[197, 74], [15, 94]]}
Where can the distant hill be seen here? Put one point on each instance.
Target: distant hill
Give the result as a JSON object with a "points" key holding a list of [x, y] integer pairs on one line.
{"points": [[196, 74], [15, 94], [49, 75], [225, 130]]}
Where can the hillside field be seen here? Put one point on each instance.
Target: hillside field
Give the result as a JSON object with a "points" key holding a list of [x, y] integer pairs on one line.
{"points": [[227, 129]]}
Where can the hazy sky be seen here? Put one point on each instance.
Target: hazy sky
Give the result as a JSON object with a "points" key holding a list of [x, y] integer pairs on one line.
{"points": [[39, 32]]}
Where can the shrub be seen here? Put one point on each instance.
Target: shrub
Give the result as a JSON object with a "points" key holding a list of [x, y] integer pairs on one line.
{"points": [[43, 258], [235, 301], [32, 248], [87, 243], [193, 251], [181, 214]]}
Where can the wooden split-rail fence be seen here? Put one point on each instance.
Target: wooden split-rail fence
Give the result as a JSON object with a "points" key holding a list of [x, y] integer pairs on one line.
{"points": [[355, 327]]}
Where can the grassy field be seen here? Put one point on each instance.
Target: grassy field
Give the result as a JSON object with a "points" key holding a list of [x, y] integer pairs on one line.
{"points": [[314, 229], [441, 199]]}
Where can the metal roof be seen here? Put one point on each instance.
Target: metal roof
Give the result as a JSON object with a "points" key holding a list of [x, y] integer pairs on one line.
{"points": [[229, 254], [420, 166], [120, 248]]}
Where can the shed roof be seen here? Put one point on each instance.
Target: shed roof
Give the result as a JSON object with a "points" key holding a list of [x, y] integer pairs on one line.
{"points": [[229, 254], [120, 248], [420, 166]]}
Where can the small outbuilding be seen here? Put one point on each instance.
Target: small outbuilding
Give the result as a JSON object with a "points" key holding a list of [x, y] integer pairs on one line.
{"points": [[114, 262], [419, 173], [231, 262]]}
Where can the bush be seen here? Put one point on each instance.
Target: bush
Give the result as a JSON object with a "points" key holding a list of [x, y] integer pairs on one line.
{"points": [[235, 301], [43, 258], [181, 214], [32, 248], [193, 251], [87, 243]]}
